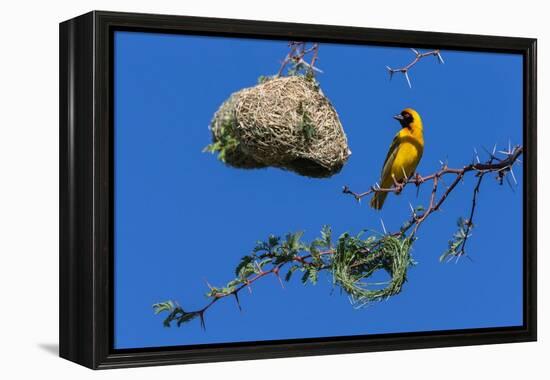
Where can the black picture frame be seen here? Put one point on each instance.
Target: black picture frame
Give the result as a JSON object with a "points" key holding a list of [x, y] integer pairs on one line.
{"points": [[86, 189]]}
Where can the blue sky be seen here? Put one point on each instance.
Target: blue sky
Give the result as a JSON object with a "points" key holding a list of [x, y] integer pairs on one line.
{"points": [[183, 218]]}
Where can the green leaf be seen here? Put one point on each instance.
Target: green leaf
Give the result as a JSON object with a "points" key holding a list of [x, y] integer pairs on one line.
{"points": [[247, 271], [226, 141], [291, 270], [293, 240], [454, 245], [260, 246], [360, 234], [261, 264], [213, 292], [343, 238], [163, 306], [273, 241], [263, 78], [234, 283], [315, 255], [305, 277], [326, 235], [313, 275], [245, 260]]}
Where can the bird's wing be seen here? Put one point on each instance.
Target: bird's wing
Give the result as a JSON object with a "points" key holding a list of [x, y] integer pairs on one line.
{"points": [[390, 157]]}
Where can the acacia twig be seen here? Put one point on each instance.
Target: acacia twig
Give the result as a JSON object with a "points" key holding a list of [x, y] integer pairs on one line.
{"points": [[470, 220], [296, 55], [417, 58], [309, 259], [305, 260], [501, 166]]}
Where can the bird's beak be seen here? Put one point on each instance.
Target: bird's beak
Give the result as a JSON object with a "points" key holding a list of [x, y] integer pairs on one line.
{"points": [[399, 117]]}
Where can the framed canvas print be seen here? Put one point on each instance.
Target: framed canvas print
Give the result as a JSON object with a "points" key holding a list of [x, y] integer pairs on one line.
{"points": [[236, 189]]}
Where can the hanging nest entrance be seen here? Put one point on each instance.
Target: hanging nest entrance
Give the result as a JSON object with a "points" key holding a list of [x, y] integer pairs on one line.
{"points": [[284, 122]]}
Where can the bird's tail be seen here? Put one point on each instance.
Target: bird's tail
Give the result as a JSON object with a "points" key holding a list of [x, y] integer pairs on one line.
{"points": [[377, 200]]}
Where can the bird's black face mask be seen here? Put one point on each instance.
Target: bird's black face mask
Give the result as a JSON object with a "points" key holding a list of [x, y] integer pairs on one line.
{"points": [[405, 119]]}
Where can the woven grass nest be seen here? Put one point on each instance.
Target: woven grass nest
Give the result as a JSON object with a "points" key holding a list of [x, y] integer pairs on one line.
{"points": [[284, 122]]}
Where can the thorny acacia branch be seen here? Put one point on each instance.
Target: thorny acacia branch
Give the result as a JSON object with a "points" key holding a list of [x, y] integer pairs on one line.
{"points": [[499, 165], [350, 260], [251, 269], [353, 259], [273, 254], [417, 58], [296, 56]]}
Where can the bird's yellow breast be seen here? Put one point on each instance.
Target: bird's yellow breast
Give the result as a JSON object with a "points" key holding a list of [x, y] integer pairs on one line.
{"points": [[410, 151]]}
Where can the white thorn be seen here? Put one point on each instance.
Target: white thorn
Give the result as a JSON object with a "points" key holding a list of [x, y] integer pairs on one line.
{"points": [[309, 66], [513, 176], [494, 149], [316, 69], [415, 51], [408, 80], [383, 226]]}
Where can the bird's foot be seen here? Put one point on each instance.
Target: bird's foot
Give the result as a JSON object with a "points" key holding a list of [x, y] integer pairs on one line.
{"points": [[398, 185], [418, 179]]}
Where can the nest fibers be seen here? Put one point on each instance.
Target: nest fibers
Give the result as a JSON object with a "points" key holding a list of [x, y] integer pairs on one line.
{"points": [[224, 141], [283, 122], [351, 268]]}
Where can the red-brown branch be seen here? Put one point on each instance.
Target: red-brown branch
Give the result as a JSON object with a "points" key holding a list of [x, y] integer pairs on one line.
{"points": [[500, 166], [418, 56], [275, 270], [297, 54]]}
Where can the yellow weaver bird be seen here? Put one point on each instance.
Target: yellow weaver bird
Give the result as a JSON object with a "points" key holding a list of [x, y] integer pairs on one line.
{"points": [[404, 155]]}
